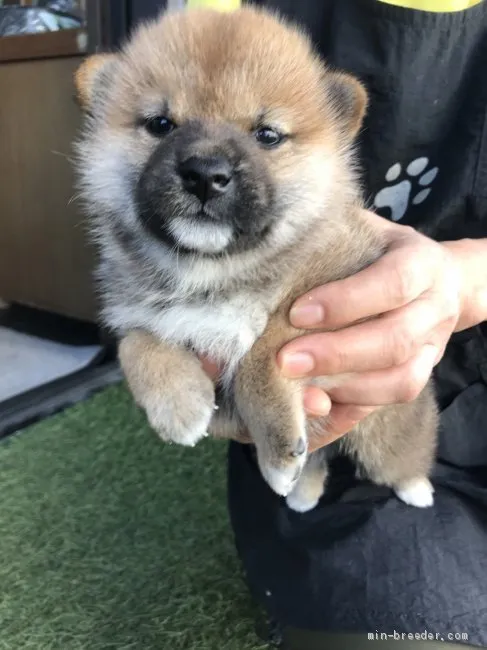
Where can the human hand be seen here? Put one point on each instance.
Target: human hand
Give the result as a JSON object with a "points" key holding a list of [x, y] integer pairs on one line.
{"points": [[414, 296]]}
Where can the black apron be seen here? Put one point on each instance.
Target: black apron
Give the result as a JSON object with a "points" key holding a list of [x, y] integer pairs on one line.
{"points": [[362, 561]]}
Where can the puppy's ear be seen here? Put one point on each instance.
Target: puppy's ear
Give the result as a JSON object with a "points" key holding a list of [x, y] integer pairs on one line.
{"points": [[348, 99], [91, 77]]}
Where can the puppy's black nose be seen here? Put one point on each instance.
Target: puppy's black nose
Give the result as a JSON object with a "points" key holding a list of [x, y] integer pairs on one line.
{"points": [[206, 177]]}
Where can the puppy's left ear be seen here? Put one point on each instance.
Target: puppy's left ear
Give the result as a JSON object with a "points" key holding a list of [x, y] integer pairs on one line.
{"points": [[91, 78], [348, 100]]}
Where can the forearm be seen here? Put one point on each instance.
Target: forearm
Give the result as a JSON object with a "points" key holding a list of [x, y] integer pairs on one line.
{"points": [[471, 255]]}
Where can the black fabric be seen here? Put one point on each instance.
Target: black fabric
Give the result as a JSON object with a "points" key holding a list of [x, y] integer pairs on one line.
{"points": [[363, 561]]}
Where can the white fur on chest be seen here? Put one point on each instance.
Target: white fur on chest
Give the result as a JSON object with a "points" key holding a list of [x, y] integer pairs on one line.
{"points": [[224, 330]]}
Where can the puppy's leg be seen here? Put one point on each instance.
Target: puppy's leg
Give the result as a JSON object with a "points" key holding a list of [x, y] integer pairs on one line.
{"points": [[396, 447], [170, 385], [311, 484], [271, 407]]}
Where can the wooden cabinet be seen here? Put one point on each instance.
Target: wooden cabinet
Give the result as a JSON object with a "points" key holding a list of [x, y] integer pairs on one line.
{"points": [[45, 260]]}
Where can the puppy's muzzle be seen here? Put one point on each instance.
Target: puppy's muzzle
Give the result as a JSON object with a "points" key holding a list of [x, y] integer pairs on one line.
{"points": [[207, 177]]}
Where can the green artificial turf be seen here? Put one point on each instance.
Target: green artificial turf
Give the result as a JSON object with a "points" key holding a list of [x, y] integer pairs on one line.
{"points": [[111, 539]]}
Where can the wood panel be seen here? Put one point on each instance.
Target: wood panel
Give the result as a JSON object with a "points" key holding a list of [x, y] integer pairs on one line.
{"points": [[44, 257], [65, 42]]}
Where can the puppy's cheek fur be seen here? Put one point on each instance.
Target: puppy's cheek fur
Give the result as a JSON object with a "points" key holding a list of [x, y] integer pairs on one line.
{"points": [[303, 193], [109, 167]]}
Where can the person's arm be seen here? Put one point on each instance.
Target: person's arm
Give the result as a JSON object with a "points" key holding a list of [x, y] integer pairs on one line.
{"points": [[471, 257], [417, 295]]}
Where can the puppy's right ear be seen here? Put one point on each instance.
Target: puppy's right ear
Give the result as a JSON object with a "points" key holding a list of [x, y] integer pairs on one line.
{"points": [[91, 77], [348, 99]]}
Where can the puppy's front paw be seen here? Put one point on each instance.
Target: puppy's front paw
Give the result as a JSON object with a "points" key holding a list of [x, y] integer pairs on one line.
{"points": [[182, 415], [281, 464]]}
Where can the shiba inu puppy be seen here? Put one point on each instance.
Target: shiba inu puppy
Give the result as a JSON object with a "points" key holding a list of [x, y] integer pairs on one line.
{"points": [[217, 166]]}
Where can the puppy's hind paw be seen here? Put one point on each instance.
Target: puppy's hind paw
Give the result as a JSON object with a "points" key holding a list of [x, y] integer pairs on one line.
{"points": [[300, 503], [416, 492]]}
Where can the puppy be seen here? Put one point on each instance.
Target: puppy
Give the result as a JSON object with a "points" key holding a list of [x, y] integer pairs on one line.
{"points": [[217, 165]]}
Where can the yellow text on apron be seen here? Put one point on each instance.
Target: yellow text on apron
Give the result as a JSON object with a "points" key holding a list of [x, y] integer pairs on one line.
{"points": [[434, 5]]}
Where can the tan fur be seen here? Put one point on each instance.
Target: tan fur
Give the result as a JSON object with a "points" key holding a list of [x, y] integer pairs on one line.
{"points": [[167, 366], [173, 59], [152, 367], [222, 71], [392, 446], [85, 75]]}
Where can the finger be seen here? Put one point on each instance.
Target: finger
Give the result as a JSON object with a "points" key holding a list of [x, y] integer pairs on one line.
{"points": [[395, 385], [395, 280], [380, 343], [342, 418], [316, 402]]}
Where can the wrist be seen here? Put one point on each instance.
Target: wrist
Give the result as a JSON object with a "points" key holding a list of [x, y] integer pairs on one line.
{"points": [[470, 256]]}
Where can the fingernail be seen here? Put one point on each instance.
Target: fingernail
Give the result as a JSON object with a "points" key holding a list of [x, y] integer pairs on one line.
{"points": [[317, 404], [297, 364], [306, 314]]}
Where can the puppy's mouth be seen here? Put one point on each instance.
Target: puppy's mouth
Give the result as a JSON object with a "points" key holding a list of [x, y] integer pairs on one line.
{"points": [[188, 226], [205, 229], [206, 214], [203, 233]]}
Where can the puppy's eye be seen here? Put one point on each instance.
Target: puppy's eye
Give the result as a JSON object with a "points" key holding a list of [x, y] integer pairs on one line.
{"points": [[159, 125], [268, 137]]}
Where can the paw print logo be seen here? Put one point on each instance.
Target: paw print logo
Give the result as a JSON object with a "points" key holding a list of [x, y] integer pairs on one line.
{"points": [[400, 196]]}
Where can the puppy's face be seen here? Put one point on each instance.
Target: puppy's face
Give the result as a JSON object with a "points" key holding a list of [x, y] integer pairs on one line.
{"points": [[215, 132]]}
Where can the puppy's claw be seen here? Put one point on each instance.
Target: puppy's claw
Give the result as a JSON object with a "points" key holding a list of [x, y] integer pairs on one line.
{"points": [[300, 448]]}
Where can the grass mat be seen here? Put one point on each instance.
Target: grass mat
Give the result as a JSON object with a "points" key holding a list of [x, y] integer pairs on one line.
{"points": [[111, 539]]}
